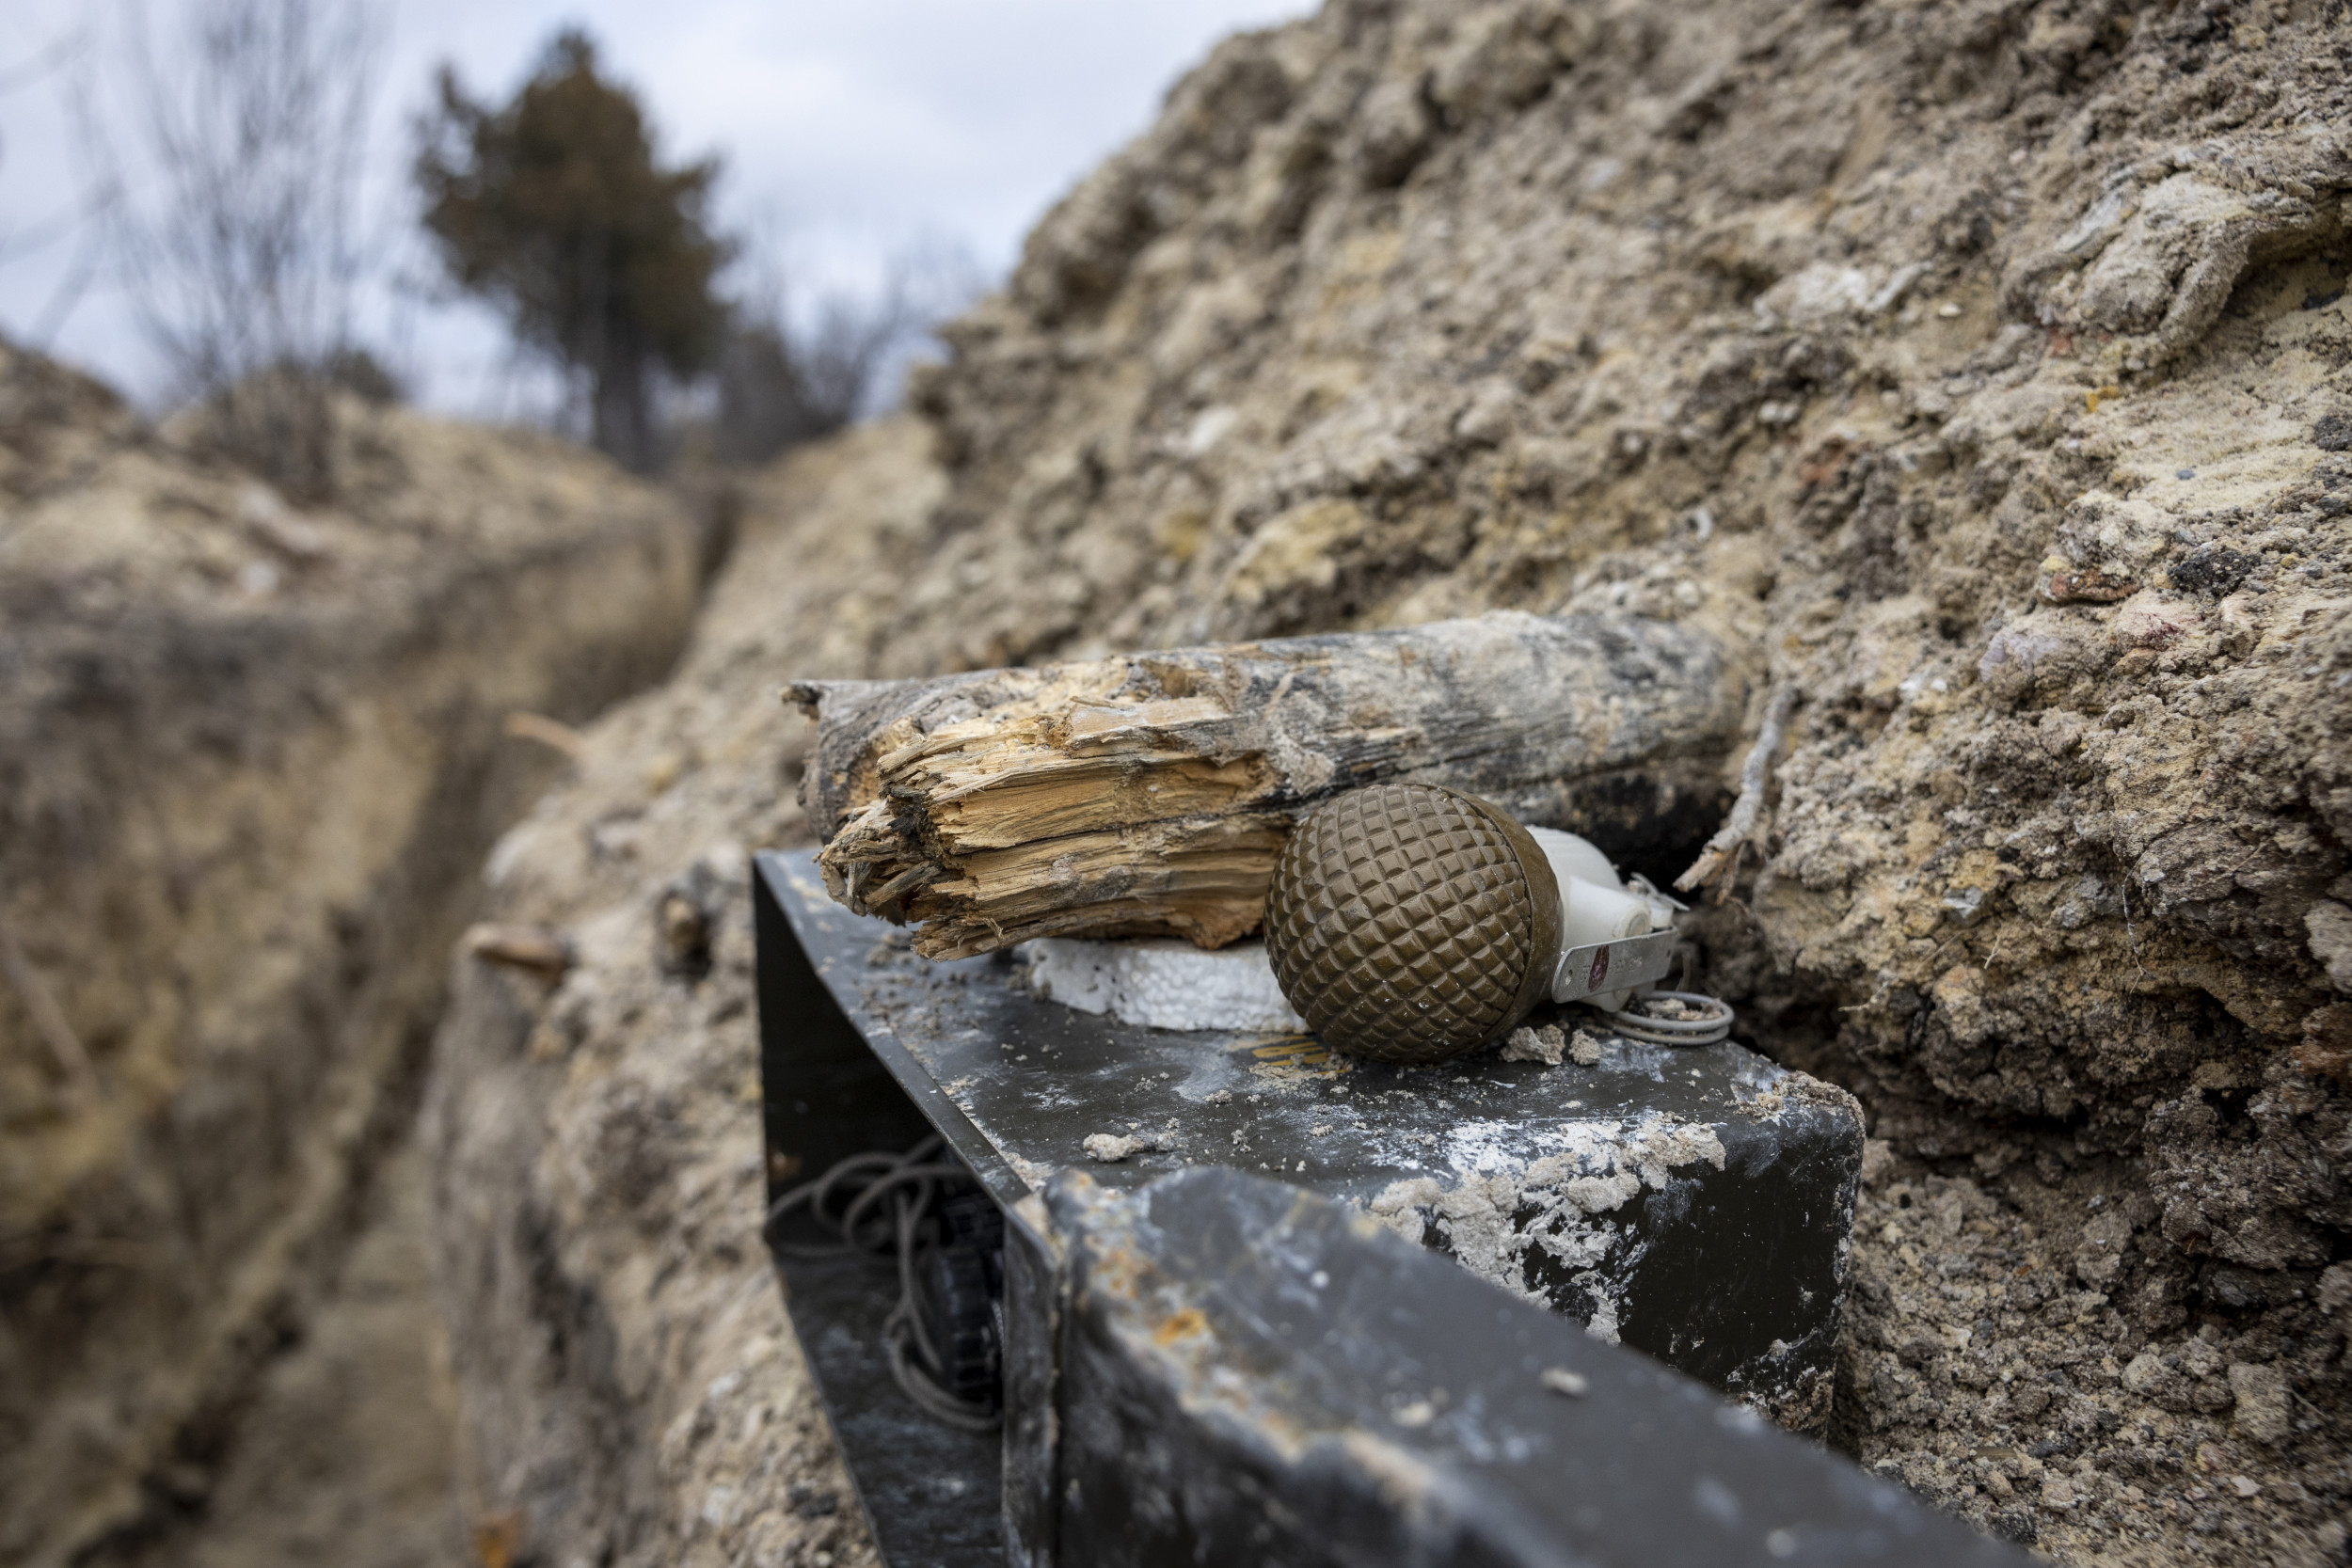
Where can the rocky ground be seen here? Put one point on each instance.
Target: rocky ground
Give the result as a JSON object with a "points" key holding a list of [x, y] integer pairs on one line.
{"points": [[1980, 373], [251, 756], [346, 1449], [630, 1384], [1987, 1369]]}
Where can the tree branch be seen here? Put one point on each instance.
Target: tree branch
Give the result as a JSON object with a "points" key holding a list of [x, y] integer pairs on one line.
{"points": [[1152, 793], [48, 1018], [1719, 862]]}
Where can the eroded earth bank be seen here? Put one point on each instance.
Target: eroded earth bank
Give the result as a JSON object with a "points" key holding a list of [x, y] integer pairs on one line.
{"points": [[252, 756], [1981, 372]]}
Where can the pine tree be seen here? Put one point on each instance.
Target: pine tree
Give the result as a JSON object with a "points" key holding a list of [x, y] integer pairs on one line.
{"points": [[554, 208]]}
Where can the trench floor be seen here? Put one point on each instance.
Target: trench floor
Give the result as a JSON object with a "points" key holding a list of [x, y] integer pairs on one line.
{"points": [[348, 1452]]}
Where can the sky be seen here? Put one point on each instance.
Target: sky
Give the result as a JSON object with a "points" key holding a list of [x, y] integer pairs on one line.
{"points": [[851, 131]]}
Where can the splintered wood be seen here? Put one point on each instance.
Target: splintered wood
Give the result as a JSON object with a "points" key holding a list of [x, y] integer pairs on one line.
{"points": [[1150, 795]]}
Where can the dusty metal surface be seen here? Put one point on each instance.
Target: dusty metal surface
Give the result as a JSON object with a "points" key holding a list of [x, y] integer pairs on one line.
{"points": [[1691, 1202], [1252, 1373], [931, 1494]]}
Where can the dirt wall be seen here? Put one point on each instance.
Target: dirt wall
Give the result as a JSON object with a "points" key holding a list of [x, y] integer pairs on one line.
{"points": [[631, 1387], [1982, 372], [250, 758]]}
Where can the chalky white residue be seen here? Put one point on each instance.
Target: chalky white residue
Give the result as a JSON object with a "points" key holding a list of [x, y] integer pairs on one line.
{"points": [[1535, 1045], [1113, 1147], [1502, 1202], [1162, 983]]}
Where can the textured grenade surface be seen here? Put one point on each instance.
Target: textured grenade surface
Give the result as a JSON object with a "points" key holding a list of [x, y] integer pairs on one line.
{"points": [[1402, 923]]}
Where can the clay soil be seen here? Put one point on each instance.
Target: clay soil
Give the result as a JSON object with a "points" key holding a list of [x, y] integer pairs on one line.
{"points": [[1982, 373], [1979, 373], [345, 1448], [251, 756]]}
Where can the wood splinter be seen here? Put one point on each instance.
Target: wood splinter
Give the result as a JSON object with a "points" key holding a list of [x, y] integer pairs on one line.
{"points": [[1151, 794]]}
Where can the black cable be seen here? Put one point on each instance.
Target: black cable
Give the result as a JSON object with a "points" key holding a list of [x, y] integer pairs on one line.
{"points": [[847, 1200]]}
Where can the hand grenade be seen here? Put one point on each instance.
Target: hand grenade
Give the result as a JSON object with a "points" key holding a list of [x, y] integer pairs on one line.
{"points": [[1412, 923]]}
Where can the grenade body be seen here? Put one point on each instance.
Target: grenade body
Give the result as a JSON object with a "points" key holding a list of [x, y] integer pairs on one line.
{"points": [[1411, 922]]}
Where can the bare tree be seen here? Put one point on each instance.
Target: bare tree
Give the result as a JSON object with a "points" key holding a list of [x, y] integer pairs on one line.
{"points": [[783, 381], [80, 220], [237, 228]]}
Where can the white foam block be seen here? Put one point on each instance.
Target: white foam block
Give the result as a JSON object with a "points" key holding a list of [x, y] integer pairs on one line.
{"points": [[1162, 983]]}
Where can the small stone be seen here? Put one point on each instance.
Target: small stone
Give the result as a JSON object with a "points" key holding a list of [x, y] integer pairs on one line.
{"points": [[2246, 1486], [2329, 925], [2100, 1257], [2335, 1288], [1111, 1147], [1583, 1050], [1562, 1381], [2145, 1373], [2068, 584], [2265, 1406], [810, 1502], [1535, 1045], [688, 914]]}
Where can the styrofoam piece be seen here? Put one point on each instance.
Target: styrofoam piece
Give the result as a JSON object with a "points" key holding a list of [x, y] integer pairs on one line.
{"points": [[1162, 983]]}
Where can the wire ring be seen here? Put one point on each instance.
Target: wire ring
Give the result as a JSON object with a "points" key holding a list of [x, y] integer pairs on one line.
{"points": [[1714, 1026]]}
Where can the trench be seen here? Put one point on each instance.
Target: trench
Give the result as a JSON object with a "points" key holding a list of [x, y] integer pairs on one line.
{"points": [[342, 1445], [330, 1430]]}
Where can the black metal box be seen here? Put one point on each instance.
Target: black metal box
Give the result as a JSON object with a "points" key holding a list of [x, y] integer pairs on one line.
{"points": [[1694, 1200]]}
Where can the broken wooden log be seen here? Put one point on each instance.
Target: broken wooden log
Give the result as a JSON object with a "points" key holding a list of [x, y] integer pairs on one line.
{"points": [[1149, 793]]}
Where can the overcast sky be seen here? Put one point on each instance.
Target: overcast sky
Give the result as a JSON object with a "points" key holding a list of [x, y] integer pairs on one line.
{"points": [[849, 129]]}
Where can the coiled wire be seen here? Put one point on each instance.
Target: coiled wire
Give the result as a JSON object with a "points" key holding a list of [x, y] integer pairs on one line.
{"points": [[877, 1204], [1713, 1024]]}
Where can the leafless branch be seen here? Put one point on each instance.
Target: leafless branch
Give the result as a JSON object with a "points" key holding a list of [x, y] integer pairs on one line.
{"points": [[788, 377], [237, 235], [49, 59], [49, 1019], [1719, 862], [57, 58]]}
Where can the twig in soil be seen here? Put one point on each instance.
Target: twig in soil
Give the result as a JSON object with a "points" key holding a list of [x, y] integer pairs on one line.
{"points": [[535, 949], [1719, 862], [2130, 938], [48, 1018], [551, 733]]}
